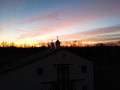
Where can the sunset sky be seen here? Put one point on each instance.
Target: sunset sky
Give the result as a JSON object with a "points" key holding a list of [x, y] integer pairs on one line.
{"points": [[43, 20]]}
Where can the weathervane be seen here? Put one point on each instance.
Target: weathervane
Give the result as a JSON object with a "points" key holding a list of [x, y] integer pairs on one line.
{"points": [[57, 37]]}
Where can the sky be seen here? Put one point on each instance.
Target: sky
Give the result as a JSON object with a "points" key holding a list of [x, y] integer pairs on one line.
{"points": [[43, 20]]}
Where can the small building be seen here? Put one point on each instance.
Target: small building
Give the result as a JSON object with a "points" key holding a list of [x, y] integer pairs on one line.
{"points": [[53, 69], [55, 45]]}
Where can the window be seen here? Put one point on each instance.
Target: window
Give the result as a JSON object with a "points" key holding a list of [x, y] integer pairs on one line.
{"points": [[40, 71], [84, 87], [84, 69], [63, 56]]}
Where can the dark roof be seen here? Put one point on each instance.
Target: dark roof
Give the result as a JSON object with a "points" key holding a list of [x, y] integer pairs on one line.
{"points": [[28, 60], [57, 41]]}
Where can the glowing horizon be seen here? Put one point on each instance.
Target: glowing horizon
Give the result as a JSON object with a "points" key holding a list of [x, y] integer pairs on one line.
{"points": [[34, 21]]}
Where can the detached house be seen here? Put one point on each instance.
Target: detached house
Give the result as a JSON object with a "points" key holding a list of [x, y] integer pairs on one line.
{"points": [[53, 69]]}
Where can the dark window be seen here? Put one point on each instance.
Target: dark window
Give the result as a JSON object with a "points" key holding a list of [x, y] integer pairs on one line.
{"points": [[84, 69], [63, 56], [84, 87], [40, 71]]}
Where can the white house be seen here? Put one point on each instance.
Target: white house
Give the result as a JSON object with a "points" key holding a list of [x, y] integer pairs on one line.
{"points": [[53, 69]]}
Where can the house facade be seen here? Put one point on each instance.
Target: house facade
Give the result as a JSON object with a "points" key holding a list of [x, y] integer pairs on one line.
{"points": [[56, 69]]}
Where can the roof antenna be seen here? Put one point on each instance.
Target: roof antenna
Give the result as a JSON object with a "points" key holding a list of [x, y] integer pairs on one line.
{"points": [[57, 37]]}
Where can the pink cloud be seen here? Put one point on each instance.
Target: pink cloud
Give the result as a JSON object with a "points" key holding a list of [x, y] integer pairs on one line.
{"points": [[52, 16], [104, 30], [102, 9], [55, 27], [70, 20], [62, 25], [89, 36]]}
